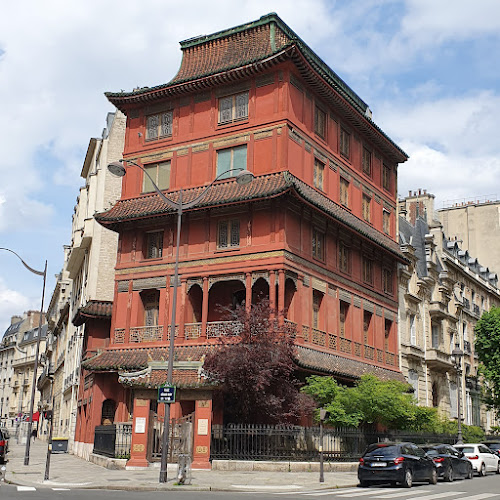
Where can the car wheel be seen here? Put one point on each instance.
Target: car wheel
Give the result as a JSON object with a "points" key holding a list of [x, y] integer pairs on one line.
{"points": [[364, 484], [482, 470], [434, 477], [470, 473], [498, 467], [408, 479], [448, 474]]}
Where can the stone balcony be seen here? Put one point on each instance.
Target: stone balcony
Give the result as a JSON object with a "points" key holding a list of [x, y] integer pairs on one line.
{"points": [[438, 359], [412, 351]]}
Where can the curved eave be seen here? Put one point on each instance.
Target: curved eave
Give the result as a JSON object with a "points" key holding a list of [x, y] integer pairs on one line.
{"points": [[123, 100]]}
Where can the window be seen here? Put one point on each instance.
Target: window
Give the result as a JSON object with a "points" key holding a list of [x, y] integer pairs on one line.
{"points": [[320, 122], [159, 173], [366, 206], [386, 177], [231, 160], [344, 309], [344, 192], [151, 303], [367, 319], [318, 244], [158, 126], [387, 281], [154, 245], [228, 234], [413, 330], [345, 139], [319, 169], [386, 221], [344, 257], [233, 108], [435, 336], [367, 270], [367, 162], [413, 381], [387, 333], [317, 299]]}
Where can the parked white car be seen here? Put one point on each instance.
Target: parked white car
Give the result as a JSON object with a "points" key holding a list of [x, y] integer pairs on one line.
{"points": [[482, 458]]}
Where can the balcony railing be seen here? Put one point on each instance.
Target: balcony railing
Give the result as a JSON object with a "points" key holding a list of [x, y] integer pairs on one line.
{"points": [[476, 309], [223, 329], [140, 334], [466, 303], [467, 347]]}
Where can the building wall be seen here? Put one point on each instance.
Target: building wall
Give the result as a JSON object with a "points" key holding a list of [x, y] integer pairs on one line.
{"points": [[477, 228]]}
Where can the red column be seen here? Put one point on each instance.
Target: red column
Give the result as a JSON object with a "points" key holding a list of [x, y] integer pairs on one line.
{"points": [[248, 297], [139, 445], [298, 308], [129, 311], [202, 432], [204, 308], [272, 292], [281, 295], [182, 303]]}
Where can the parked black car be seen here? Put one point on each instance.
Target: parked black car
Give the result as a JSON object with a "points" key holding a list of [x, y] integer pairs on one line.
{"points": [[494, 446], [394, 463], [450, 462], [4, 445]]}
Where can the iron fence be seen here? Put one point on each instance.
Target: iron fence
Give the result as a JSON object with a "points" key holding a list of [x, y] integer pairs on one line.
{"points": [[293, 443], [113, 440]]}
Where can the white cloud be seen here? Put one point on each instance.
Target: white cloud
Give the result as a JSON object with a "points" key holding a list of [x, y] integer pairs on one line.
{"points": [[11, 300]]}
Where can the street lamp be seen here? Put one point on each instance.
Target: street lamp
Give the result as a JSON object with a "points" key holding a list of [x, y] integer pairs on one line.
{"points": [[243, 177], [456, 358], [35, 369]]}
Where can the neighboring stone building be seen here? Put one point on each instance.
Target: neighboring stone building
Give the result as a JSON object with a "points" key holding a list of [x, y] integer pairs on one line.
{"points": [[314, 233], [17, 362], [476, 226], [82, 299], [442, 294]]}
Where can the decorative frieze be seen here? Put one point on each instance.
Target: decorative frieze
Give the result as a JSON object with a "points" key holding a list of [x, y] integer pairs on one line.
{"points": [[261, 274], [148, 283], [231, 277], [262, 81]]}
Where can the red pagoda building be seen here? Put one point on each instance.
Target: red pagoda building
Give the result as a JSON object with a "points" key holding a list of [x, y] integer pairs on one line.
{"points": [[315, 232]]}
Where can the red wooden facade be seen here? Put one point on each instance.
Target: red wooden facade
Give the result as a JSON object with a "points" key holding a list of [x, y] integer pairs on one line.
{"points": [[314, 232]]}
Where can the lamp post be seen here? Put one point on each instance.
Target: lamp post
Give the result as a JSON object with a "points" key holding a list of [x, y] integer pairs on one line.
{"points": [[37, 353], [456, 357], [322, 416], [243, 177]]}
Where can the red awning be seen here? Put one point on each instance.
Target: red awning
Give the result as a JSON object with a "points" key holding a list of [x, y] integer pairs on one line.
{"points": [[36, 417]]}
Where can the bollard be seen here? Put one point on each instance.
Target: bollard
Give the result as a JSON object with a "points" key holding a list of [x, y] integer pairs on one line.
{"points": [[3, 470]]}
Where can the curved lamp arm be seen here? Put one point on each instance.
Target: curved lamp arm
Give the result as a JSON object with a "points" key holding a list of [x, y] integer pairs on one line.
{"points": [[244, 176], [34, 271]]}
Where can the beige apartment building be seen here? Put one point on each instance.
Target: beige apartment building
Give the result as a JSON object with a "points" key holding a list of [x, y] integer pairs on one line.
{"points": [[476, 226], [85, 285], [17, 363], [442, 294]]}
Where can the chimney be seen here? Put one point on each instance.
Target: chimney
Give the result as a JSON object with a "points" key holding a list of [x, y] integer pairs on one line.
{"points": [[15, 319]]}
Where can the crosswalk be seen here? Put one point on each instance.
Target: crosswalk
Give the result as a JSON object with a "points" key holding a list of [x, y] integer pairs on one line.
{"points": [[418, 493]]}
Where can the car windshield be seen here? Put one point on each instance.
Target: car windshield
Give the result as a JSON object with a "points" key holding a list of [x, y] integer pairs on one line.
{"points": [[383, 451], [466, 449]]}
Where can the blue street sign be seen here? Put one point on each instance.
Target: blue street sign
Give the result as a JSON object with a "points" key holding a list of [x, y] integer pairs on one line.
{"points": [[166, 394]]}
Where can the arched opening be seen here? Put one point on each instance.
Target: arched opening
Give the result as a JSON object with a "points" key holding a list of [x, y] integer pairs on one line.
{"points": [[194, 305], [260, 291], [224, 295], [108, 412]]}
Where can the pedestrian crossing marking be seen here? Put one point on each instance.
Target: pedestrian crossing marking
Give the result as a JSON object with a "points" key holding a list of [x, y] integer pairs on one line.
{"points": [[364, 493], [404, 493], [433, 496], [26, 488], [480, 496]]}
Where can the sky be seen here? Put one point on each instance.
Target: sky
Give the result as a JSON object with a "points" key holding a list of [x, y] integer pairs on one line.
{"points": [[428, 69]]}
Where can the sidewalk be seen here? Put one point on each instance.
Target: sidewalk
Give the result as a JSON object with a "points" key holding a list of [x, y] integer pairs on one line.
{"points": [[68, 471]]}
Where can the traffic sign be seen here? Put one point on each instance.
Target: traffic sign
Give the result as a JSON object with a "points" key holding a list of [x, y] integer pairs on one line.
{"points": [[166, 394]]}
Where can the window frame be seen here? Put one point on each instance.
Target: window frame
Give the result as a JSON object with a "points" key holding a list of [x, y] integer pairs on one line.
{"points": [[388, 281], [344, 258], [366, 207], [367, 270], [318, 241], [320, 122], [232, 225], [344, 193], [233, 97], [319, 174], [159, 126], [156, 177], [386, 221], [344, 143], [159, 235], [386, 177], [233, 168], [366, 161]]}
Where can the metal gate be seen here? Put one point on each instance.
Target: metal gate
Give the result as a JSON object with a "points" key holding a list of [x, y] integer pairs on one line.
{"points": [[180, 439]]}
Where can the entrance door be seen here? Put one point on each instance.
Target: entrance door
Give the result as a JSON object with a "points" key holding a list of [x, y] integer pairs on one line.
{"points": [[180, 439]]}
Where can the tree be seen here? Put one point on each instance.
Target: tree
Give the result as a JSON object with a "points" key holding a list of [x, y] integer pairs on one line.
{"points": [[255, 369], [487, 347], [369, 403]]}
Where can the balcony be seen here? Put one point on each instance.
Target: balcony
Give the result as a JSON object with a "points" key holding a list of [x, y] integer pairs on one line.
{"points": [[25, 360], [476, 310], [438, 359], [412, 351], [466, 304], [438, 309]]}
